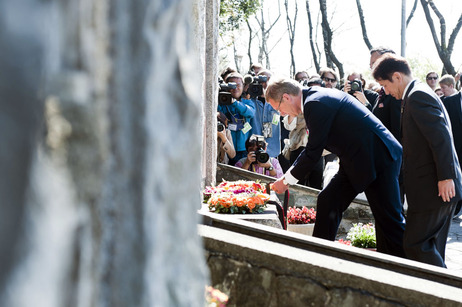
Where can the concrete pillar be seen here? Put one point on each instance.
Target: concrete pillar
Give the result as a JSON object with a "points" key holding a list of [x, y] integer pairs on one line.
{"points": [[211, 92], [101, 133]]}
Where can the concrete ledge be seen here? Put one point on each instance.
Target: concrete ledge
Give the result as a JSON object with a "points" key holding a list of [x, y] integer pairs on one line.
{"points": [[260, 272], [336, 250], [269, 217]]}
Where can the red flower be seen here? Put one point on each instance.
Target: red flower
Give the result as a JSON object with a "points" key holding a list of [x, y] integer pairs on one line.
{"points": [[302, 215]]}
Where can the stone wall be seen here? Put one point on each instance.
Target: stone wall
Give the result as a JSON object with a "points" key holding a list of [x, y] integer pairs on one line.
{"points": [[358, 212], [260, 272], [100, 115]]}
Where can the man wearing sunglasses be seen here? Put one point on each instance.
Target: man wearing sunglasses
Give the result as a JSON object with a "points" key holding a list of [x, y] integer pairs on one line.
{"points": [[329, 76]]}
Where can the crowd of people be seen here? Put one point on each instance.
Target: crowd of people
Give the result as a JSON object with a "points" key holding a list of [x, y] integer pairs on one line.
{"points": [[394, 138]]}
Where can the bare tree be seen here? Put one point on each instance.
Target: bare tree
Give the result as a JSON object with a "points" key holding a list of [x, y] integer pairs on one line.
{"points": [[251, 36], [291, 31], [363, 24], [331, 59], [444, 48], [312, 40], [411, 14], [265, 32]]}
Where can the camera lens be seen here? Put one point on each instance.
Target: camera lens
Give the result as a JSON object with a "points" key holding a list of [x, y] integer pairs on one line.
{"points": [[261, 156], [220, 127]]}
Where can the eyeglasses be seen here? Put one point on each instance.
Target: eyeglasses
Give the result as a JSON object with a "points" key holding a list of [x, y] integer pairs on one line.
{"points": [[280, 102], [329, 79], [432, 78]]}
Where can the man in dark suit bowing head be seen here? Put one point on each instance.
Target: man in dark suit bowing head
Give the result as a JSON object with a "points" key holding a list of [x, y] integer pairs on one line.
{"points": [[432, 176], [370, 159]]}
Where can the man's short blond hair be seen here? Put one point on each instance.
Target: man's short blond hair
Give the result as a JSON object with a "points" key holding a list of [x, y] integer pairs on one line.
{"points": [[278, 86], [448, 80]]}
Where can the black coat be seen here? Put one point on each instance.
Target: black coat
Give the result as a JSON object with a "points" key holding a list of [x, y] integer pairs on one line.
{"points": [[428, 149], [341, 124], [453, 106]]}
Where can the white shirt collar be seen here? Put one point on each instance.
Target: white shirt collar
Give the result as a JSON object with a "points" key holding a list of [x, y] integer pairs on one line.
{"points": [[407, 86]]}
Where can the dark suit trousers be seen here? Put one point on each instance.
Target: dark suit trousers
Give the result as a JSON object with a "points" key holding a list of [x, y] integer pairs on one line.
{"points": [[426, 234], [384, 199]]}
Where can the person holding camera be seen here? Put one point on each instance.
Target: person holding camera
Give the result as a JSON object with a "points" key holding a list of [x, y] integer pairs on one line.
{"points": [[239, 112], [225, 144], [266, 121], [355, 86], [258, 160]]}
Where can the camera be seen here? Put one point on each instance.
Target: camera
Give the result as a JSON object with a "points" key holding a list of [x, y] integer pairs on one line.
{"points": [[224, 96], [356, 86], [220, 126], [255, 88], [260, 153]]}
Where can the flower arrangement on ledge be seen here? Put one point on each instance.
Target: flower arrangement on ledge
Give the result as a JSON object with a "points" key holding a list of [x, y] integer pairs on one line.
{"points": [[236, 197], [302, 215], [362, 235]]}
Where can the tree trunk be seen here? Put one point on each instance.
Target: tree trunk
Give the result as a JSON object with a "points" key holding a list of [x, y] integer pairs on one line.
{"points": [[411, 14], [443, 48], [331, 59], [249, 49], [363, 25], [291, 31], [264, 52], [312, 40]]}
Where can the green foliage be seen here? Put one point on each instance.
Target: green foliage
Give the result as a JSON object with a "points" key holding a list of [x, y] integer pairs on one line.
{"points": [[362, 235], [422, 66], [234, 12]]}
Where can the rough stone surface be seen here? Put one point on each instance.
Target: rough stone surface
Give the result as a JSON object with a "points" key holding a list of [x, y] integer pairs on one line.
{"points": [[256, 272], [100, 106]]}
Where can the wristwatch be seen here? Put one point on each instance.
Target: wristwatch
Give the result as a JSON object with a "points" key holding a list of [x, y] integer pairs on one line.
{"points": [[284, 181], [270, 168]]}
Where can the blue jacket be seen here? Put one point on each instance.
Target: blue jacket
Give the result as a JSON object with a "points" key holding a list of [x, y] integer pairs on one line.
{"points": [[239, 113], [264, 114]]}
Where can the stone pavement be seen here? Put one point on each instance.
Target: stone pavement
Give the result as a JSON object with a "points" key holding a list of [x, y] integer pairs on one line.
{"points": [[454, 247]]}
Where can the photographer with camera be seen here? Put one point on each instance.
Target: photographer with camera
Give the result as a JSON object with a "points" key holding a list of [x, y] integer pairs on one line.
{"points": [[225, 146], [239, 112], [266, 121], [355, 86], [258, 160]]}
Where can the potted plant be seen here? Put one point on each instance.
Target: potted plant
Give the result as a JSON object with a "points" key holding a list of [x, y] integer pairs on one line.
{"points": [[301, 220], [362, 235]]}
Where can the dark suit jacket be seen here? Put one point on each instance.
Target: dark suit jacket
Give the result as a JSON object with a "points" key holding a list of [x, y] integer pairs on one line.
{"points": [[388, 110], [452, 104], [341, 124], [428, 149]]}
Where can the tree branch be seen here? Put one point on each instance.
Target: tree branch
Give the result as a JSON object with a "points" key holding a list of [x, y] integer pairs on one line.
{"points": [[363, 24], [411, 14]]}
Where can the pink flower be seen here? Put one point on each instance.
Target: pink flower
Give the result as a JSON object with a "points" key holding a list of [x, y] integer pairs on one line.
{"points": [[302, 215]]}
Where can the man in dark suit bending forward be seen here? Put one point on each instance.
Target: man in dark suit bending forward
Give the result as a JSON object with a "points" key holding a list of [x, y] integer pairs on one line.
{"points": [[432, 176], [370, 159]]}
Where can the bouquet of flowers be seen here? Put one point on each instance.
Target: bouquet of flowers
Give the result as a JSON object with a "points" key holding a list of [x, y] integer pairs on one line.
{"points": [[362, 235], [236, 197], [301, 215]]}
